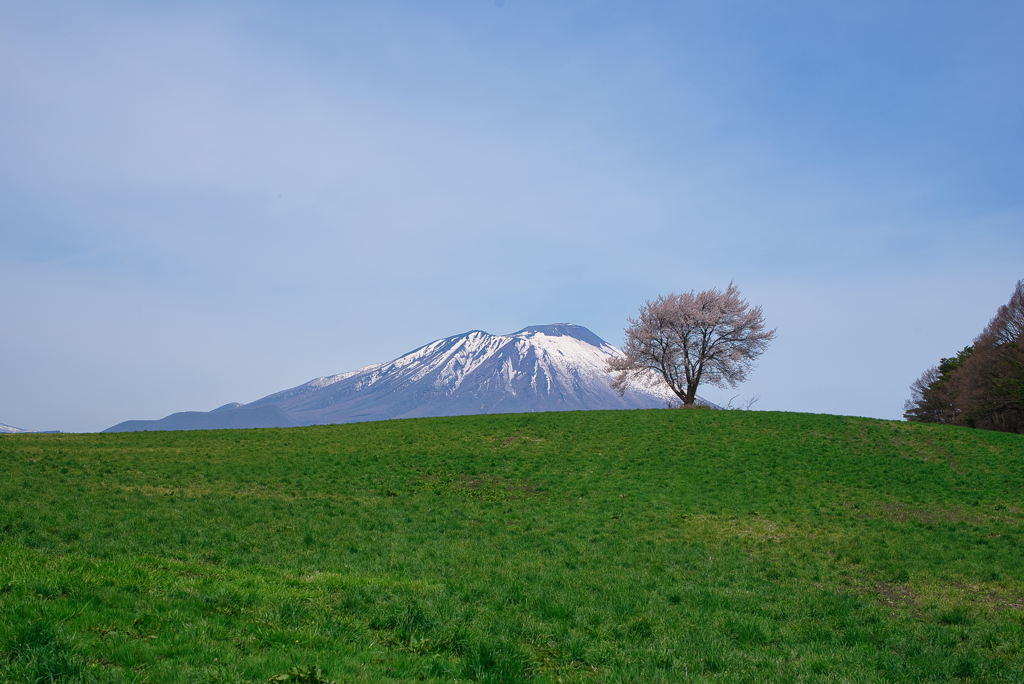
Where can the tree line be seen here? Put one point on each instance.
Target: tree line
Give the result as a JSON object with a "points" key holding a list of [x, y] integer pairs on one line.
{"points": [[982, 385]]}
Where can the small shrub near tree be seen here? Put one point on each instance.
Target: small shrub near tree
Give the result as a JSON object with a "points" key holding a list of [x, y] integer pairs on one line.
{"points": [[303, 675]]}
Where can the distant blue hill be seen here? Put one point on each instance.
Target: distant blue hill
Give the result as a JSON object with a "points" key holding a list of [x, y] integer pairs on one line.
{"points": [[257, 417]]}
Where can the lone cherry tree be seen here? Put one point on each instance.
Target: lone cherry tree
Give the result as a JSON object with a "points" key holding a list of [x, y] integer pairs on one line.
{"points": [[685, 339]]}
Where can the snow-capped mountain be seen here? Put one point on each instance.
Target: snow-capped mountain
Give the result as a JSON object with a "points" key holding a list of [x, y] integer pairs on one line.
{"points": [[11, 430], [557, 367]]}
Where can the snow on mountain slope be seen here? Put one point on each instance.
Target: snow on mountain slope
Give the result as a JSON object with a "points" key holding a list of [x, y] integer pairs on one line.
{"points": [[11, 430], [558, 367], [541, 368]]}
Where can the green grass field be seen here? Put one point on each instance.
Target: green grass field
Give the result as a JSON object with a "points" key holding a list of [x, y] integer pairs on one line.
{"points": [[635, 546]]}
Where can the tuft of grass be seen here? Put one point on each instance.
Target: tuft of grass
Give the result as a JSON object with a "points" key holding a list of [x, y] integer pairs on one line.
{"points": [[36, 653], [303, 675]]}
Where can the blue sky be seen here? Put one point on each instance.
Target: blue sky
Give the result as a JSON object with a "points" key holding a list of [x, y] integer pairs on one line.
{"points": [[209, 202]]}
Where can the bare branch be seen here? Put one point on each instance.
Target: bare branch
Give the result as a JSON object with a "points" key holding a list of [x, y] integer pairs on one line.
{"points": [[1007, 326]]}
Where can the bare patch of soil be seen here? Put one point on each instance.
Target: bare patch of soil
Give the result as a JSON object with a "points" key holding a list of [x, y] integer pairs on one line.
{"points": [[902, 513], [480, 486], [896, 595], [517, 438]]}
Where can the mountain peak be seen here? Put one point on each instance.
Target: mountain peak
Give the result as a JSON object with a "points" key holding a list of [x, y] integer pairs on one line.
{"points": [[556, 367], [577, 332]]}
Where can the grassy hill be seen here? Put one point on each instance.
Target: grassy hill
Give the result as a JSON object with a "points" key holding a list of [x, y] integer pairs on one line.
{"points": [[641, 546]]}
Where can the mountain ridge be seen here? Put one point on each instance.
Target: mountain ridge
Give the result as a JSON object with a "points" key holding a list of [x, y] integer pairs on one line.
{"points": [[555, 367]]}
